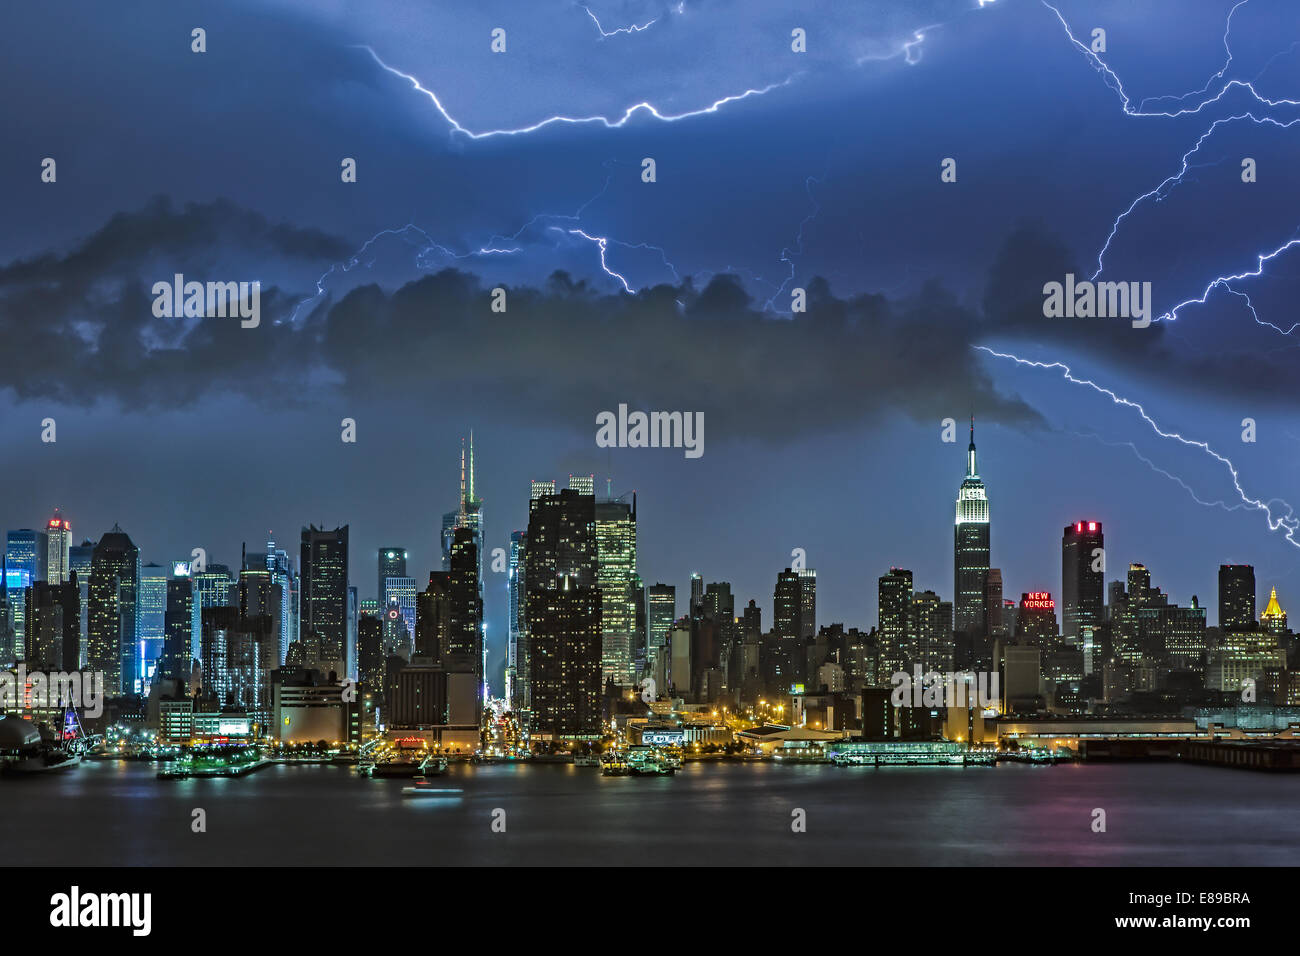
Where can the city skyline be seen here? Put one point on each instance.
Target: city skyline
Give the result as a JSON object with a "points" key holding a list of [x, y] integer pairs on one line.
{"points": [[375, 294], [498, 651], [808, 434]]}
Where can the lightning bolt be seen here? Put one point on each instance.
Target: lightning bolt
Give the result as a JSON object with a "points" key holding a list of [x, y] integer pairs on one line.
{"points": [[1160, 471], [1162, 190], [642, 107], [910, 50], [787, 252], [1112, 81], [616, 32], [495, 245], [603, 243], [1287, 523], [1222, 281], [1250, 305]]}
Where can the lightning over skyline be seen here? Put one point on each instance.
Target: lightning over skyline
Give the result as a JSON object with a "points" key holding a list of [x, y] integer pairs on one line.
{"points": [[776, 167], [1288, 523]]}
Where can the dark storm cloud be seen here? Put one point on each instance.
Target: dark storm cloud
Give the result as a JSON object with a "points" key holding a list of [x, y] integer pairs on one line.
{"points": [[564, 352], [78, 327], [130, 239]]}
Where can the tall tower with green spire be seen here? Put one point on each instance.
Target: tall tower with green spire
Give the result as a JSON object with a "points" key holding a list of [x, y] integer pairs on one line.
{"points": [[468, 513]]}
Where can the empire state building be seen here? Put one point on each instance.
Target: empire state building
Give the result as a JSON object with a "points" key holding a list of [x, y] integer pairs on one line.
{"points": [[970, 547]]}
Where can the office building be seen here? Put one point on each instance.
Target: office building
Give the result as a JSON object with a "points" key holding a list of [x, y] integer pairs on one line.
{"points": [[323, 565], [1083, 578], [970, 547]]}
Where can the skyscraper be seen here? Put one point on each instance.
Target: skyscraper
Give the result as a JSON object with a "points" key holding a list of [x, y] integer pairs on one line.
{"points": [[1083, 578], [583, 484], [324, 564], [27, 550], [114, 626], [464, 648], [994, 624], [807, 603], [970, 546], [562, 608], [392, 564], [787, 605], [58, 534], [152, 612], [615, 569], [1236, 597], [179, 650], [469, 513], [1273, 619], [893, 621], [661, 612], [515, 625], [794, 604], [399, 592], [53, 616], [931, 622], [1036, 621], [16, 585], [79, 560], [433, 618], [285, 590]]}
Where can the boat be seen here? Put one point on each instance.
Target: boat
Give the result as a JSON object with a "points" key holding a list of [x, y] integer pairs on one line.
{"points": [[44, 762], [423, 787], [614, 765], [405, 761], [400, 765], [589, 760], [646, 761]]}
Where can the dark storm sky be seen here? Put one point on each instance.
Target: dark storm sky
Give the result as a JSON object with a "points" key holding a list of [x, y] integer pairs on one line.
{"points": [[822, 429]]}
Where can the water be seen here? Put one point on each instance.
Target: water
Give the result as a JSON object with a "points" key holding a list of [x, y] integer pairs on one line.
{"points": [[117, 813]]}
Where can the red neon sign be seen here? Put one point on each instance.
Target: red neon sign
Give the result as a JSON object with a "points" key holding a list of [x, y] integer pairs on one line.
{"points": [[1038, 600]]}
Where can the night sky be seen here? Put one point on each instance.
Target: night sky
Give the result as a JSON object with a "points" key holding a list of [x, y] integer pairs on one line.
{"points": [[775, 170]]}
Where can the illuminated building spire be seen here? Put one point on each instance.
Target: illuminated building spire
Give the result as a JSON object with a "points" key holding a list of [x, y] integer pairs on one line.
{"points": [[970, 547], [471, 466], [970, 452], [1273, 618]]}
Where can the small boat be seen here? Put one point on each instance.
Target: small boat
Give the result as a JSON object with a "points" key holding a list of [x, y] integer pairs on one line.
{"points": [[406, 762], [643, 761], [614, 765], [424, 788]]}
